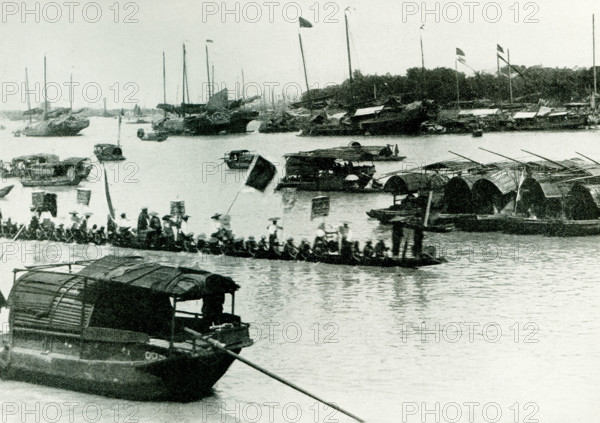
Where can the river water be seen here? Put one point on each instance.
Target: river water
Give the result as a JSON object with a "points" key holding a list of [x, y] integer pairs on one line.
{"points": [[508, 330]]}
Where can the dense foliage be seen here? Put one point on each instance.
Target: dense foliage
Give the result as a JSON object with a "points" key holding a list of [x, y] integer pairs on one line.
{"points": [[554, 85]]}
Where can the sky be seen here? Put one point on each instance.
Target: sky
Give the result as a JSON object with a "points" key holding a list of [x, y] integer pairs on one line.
{"points": [[114, 49]]}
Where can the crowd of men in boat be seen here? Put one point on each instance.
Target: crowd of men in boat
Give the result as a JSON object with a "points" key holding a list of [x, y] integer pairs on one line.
{"points": [[171, 233]]}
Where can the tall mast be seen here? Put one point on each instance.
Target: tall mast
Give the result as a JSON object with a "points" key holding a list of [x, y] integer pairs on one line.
{"points": [[119, 133], [213, 78], [243, 84], [349, 56], [594, 57], [208, 71], [45, 94], [509, 76], [422, 62], [27, 88], [304, 66], [183, 83], [164, 84], [71, 94]]}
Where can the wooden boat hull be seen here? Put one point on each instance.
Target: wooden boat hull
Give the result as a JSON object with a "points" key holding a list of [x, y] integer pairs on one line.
{"points": [[58, 181], [410, 262], [384, 215], [527, 226], [182, 378], [109, 157]]}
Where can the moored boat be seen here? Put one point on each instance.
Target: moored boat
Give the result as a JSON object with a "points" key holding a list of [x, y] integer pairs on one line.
{"points": [[238, 159], [114, 328], [70, 171], [152, 135], [108, 152], [328, 170]]}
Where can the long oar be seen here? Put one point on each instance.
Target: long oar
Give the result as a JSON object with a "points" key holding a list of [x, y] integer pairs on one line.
{"points": [[590, 159], [223, 348]]}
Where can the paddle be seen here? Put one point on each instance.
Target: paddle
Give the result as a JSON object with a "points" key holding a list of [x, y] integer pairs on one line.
{"points": [[223, 348]]}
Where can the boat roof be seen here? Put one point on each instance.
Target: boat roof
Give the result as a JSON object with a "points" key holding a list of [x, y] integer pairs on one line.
{"points": [[368, 111], [524, 115], [350, 154], [185, 283], [104, 145], [239, 151], [49, 157], [74, 160], [478, 112]]}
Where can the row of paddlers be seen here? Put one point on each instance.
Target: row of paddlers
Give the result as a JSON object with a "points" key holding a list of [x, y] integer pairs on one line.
{"points": [[320, 252]]}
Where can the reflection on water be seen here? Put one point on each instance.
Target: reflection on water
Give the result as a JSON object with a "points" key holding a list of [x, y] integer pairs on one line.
{"points": [[517, 317]]}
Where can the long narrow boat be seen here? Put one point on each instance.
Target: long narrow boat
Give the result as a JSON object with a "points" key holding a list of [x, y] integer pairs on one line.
{"points": [[114, 329]]}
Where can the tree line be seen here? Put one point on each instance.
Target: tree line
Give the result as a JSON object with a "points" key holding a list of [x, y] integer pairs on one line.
{"points": [[529, 84]]}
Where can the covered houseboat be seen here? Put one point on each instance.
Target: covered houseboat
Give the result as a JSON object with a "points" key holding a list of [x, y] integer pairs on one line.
{"points": [[329, 169], [119, 327]]}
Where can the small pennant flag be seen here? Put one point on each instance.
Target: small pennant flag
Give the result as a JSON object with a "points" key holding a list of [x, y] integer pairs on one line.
{"points": [[209, 41], [304, 23], [462, 60], [499, 48], [459, 52], [261, 175]]}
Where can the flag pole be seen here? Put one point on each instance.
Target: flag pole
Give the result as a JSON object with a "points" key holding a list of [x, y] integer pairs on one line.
{"points": [[509, 76], [304, 66], [457, 85], [349, 56], [497, 64], [164, 83], [244, 184], [207, 70]]}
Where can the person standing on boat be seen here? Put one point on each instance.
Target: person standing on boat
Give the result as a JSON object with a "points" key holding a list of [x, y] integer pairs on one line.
{"points": [[346, 240], [272, 229], [418, 241], [212, 308], [397, 234], [183, 225], [74, 221], [143, 220], [111, 227]]}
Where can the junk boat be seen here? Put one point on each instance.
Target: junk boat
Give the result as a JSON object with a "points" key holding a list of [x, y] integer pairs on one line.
{"points": [[238, 159], [114, 328], [329, 169]]}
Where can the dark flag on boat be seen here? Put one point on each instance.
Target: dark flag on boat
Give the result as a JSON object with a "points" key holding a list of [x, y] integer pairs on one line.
{"points": [[320, 207], [262, 174], [500, 49], [111, 210], [304, 23], [459, 52]]}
